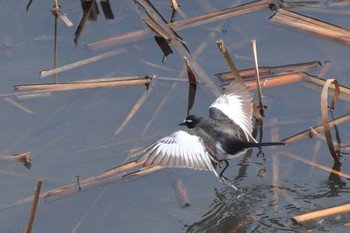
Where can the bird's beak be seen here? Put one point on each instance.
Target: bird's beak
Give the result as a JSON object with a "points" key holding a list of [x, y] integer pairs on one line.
{"points": [[183, 123]]}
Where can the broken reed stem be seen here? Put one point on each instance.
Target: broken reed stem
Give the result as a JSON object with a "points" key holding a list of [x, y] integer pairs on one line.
{"points": [[229, 61], [310, 25], [256, 66], [34, 207], [235, 72], [324, 112], [322, 213]]}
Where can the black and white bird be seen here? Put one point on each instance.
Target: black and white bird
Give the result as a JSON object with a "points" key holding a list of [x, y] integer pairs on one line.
{"points": [[209, 141]]}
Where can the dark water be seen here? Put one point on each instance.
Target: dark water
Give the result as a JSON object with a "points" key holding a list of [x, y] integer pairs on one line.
{"points": [[64, 130]]}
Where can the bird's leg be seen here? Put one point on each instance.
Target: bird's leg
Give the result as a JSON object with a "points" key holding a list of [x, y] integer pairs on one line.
{"points": [[223, 170], [224, 179]]}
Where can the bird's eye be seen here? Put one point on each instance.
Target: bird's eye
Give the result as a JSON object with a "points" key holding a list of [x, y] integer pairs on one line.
{"points": [[188, 121]]}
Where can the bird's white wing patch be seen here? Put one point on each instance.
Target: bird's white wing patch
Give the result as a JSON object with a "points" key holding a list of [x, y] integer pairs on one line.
{"points": [[236, 104], [181, 149]]}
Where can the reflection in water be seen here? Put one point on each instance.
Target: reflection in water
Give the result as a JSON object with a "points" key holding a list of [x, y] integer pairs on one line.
{"points": [[332, 187], [242, 211], [268, 208]]}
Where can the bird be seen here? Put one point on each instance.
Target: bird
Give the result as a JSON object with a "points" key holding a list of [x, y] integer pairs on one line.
{"points": [[207, 142]]}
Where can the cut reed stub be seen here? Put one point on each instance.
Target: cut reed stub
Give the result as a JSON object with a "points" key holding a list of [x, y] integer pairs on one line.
{"points": [[311, 26]]}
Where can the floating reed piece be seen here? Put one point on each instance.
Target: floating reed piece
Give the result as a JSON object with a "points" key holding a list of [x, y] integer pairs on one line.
{"points": [[87, 84], [265, 71], [310, 25], [322, 213]]}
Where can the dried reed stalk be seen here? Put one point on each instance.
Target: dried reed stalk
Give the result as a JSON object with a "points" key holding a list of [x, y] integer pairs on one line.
{"points": [[34, 207], [310, 25], [322, 213]]}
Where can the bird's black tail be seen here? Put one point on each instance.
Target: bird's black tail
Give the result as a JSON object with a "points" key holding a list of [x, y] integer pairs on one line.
{"points": [[260, 144]]}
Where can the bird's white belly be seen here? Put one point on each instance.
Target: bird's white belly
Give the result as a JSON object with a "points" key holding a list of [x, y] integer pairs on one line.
{"points": [[222, 154]]}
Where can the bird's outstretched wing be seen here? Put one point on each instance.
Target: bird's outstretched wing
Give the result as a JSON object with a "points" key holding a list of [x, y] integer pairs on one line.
{"points": [[181, 149], [235, 104]]}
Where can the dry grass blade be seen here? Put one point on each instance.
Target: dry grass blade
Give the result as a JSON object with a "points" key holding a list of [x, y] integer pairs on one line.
{"points": [[318, 128], [190, 74], [34, 207], [46, 73], [133, 111], [322, 213], [256, 66], [324, 111], [87, 84], [310, 25]]}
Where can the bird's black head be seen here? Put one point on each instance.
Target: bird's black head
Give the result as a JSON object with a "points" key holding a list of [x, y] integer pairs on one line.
{"points": [[191, 121]]}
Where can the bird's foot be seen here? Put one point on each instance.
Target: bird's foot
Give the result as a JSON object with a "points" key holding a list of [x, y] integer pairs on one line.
{"points": [[227, 182]]}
